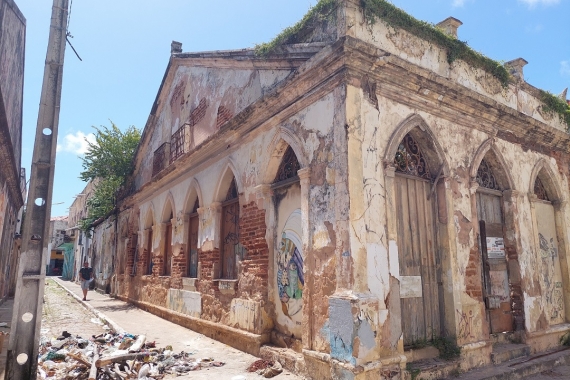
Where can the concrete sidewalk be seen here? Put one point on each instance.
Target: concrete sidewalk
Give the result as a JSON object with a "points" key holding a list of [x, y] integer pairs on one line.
{"points": [[135, 321]]}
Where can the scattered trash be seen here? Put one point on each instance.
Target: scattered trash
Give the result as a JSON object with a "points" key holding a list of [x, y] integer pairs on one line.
{"points": [[113, 356], [266, 368]]}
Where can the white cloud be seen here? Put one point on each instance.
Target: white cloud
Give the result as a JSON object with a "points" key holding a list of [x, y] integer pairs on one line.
{"points": [[75, 143], [458, 3], [565, 68], [533, 3]]}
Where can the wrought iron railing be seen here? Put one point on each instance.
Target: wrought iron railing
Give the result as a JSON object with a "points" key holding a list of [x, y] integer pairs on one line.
{"points": [[177, 143]]}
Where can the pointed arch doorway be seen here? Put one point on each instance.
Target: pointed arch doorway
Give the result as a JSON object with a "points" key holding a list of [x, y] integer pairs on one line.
{"points": [[420, 265], [495, 277]]}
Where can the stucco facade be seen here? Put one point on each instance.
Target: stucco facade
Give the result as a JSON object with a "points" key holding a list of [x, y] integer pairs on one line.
{"points": [[366, 169]]}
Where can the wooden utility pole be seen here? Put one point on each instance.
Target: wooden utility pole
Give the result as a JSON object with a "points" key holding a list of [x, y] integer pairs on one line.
{"points": [[22, 361]]}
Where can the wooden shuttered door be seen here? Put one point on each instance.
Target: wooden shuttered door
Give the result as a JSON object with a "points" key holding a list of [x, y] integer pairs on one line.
{"points": [[168, 250], [495, 275], [230, 233], [193, 246], [419, 291]]}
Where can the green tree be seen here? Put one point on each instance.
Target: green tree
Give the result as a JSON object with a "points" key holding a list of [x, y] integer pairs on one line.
{"points": [[107, 162]]}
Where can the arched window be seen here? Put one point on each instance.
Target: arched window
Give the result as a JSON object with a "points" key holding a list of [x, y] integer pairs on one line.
{"points": [[289, 166], [230, 232]]}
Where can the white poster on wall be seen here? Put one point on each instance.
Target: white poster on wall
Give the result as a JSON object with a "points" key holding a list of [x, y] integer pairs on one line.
{"points": [[495, 248]]}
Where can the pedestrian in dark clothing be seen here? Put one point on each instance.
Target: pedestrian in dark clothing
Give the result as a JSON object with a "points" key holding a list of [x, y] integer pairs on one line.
{"points": [[86, 275]]}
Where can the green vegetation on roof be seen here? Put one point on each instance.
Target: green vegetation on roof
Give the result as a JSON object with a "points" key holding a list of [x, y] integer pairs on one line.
{"points": [[397, 18], [555, 105], [323, 10]]}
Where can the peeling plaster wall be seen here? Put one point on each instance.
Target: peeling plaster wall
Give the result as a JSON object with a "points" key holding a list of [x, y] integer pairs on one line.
{"points": [[375, 253], [102, 252], [428, 55], [195, 96], [249, 305]]}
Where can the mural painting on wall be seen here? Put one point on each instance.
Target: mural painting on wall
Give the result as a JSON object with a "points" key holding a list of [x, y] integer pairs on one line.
{"points": [[290, 279], [549, 263], [549, 256]]}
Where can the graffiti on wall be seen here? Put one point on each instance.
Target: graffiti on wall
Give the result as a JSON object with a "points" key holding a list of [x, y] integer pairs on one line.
{"points": [[466, 321], [549, 264], [290, 279]]}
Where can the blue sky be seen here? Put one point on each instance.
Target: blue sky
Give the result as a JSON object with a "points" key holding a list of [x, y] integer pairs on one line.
{"points": [[125, 47]]}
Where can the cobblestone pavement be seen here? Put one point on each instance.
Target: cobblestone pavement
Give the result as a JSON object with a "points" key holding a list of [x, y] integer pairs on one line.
{"points": [[136, 321], [61, 312]]}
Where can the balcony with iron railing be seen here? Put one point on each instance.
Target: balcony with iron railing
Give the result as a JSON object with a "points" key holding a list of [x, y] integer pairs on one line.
{"points": [[178, 143]]}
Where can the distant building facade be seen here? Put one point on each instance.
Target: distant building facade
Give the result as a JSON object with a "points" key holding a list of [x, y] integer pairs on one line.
{"points": [[12, 178], [57, 236], [348, 198], [81, 240]]}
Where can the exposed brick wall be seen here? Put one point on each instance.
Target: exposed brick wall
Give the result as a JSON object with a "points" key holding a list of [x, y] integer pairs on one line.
{"points": [[253, 276], [198, 113], [224, 115], [252, 237], [473, 285], [178, 268]]}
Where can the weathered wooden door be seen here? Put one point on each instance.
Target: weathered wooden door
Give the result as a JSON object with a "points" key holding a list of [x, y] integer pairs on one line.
{"points": [[193, 246], [149, 251], [230, 238], [495, 275], [168, 249], [419, 272]]}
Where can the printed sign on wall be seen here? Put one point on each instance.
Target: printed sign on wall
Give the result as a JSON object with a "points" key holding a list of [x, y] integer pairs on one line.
{"points": [[495, 248]]}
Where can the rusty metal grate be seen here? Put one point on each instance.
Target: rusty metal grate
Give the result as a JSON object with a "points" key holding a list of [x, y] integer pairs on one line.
{"points": [[177, 142], [540, 191], [160, 158]]}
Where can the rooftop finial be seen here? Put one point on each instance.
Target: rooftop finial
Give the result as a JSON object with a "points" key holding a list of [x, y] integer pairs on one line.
{"points": [[450, 26], [175, 47], [515, 67]]}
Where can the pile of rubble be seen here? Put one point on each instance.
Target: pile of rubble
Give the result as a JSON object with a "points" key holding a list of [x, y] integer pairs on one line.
{"points": [[113, 356], [265, 368]]}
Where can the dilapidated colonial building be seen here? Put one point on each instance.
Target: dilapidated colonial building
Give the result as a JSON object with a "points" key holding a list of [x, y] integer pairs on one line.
{"points": [[354, 190]]}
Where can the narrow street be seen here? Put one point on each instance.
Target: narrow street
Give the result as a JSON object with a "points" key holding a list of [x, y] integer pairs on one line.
{"points": [[64, 312]]}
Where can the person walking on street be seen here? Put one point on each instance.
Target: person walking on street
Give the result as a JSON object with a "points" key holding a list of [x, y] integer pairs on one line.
{"points": [[86, 274]]}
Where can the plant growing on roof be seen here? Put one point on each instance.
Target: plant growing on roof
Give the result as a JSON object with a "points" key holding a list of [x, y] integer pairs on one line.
{"points": [[556, 105], [108, 161]]}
